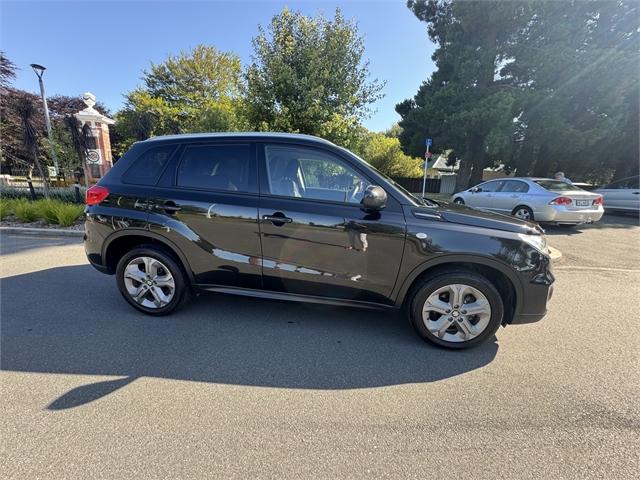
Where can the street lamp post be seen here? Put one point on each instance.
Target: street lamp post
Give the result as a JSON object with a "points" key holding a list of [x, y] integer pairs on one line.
{"points": [[39, 70]]}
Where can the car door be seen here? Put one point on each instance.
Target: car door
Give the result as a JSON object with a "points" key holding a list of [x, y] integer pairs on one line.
{"points": [[316, 239], [207, 205], [623, 194], [483, 197], [510, 195]]}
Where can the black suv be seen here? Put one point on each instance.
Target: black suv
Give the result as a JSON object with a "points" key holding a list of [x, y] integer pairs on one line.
{"points": [[295, 217]]}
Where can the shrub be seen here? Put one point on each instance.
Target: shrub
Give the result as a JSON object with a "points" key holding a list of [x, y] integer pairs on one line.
{"points": [[7, 207], [65, 194], [47, 210], [26, 211], [68, 213]]}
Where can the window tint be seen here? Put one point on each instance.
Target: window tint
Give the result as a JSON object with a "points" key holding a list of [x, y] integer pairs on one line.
{"points": [[308, 173], [491, 186], [147, 168], [626, 183], [515, 186], [556, 185], [215, 167]]}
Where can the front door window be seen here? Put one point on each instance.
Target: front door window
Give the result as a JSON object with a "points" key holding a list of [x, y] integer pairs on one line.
{"points": [[307, 173]]}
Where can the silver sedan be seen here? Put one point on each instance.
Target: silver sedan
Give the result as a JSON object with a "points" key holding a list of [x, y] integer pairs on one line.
{"points": [[539, 199]]}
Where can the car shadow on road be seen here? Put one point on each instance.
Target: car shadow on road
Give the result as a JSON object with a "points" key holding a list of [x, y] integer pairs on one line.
{"points": [[72, 320], [608, 221]]}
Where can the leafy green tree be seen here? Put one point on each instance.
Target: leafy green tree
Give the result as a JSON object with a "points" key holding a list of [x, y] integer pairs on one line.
{"points": [[540, 86], [308, 76], [577, 66], [384, 153], [194, 91], [463, 106]]}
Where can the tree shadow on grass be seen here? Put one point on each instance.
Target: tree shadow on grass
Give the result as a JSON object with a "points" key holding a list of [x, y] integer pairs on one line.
{"points": [[72, 320]]}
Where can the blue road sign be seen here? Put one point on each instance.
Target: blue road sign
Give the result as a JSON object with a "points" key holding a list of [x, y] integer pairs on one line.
{"points": [[429, 142]]}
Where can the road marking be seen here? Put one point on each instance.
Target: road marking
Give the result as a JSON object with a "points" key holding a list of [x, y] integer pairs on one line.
{"points": [[602, 269]]}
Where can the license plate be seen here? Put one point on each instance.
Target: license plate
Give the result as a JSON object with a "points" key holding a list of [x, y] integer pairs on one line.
{"points": [[583, 203]]}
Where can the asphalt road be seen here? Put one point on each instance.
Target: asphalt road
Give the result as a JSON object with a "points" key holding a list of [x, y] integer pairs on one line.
{"points": [[237, 387]]}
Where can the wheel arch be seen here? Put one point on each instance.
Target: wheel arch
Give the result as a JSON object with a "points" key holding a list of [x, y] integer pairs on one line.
{"points": [[523, 204], [499, 274], [118, 243]]}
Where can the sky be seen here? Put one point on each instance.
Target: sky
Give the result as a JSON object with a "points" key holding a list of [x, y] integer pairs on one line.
{"points": [[103, 46]]}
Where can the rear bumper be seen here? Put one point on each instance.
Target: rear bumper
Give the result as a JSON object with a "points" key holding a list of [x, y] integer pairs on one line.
{"points": [[562, 214], [93, 241]]}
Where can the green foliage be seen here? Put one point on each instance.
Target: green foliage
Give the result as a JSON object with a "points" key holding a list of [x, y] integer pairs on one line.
{"points": [[51, 211], [194, 91], [25, 210], [67, 213], [540, 86], [47, 210], [308, 76], [7, 207], [384, 153], [63, 194]]}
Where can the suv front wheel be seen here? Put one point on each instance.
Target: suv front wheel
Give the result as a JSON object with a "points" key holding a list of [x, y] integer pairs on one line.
{"points": [[456, 310], [151, 280]]}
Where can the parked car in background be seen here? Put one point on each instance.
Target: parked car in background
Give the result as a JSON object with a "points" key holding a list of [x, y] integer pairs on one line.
{"points": [[623, 195], [535, 199], [294, 217]]}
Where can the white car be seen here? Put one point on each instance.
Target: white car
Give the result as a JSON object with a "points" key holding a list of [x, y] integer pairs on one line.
{"points": [[623, 195], [539, 199]]}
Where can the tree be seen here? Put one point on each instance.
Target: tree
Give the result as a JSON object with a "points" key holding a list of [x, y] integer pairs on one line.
{"points": [[384, 153], [463, 106], [308, 76], [26, 112], [193, 91], [540, 86], [7, 71], [576, 64]]}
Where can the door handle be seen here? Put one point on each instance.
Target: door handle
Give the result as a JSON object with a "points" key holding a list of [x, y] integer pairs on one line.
{"points": [[635, 193], [278, 219], [514, 196], [169, 207]]}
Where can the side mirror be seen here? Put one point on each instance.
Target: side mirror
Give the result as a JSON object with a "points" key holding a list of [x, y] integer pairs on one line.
{"points": [[374, 199], [475, 190]]}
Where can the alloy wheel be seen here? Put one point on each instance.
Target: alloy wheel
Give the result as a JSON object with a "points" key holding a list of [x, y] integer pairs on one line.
{"points": [[149, 282], [523, 213], [456, 313]]}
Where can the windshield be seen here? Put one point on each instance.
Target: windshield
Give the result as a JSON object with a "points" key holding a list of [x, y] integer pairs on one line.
{"points": [[556, 185]]}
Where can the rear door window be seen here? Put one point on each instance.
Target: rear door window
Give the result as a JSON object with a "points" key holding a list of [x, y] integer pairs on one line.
{"points": [[216, 167], [515, 186], [146, 170]]}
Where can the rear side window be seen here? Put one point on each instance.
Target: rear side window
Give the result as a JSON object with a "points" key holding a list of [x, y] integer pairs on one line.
{"points": [[515, 186], [556, 185], [215, 167], [146, 170]]}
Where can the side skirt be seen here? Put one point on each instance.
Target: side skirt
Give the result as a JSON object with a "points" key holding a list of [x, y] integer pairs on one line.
{"points": [[291, 297]]}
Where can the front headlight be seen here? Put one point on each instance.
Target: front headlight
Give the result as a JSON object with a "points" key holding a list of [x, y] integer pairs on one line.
{"points": [[539, 242]]}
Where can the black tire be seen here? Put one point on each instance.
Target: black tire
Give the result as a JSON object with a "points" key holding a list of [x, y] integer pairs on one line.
{"points": [[525, 209], [182, 291], [428, 286], [458, 201]]}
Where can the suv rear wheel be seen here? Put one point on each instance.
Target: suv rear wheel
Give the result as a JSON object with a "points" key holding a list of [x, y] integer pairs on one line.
{"points": [[456, 310], [151, 280]]}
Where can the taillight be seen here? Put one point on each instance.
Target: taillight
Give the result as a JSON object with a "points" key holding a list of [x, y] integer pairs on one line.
{"points": [[95, 195], [560, 201], [598, 201]]}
